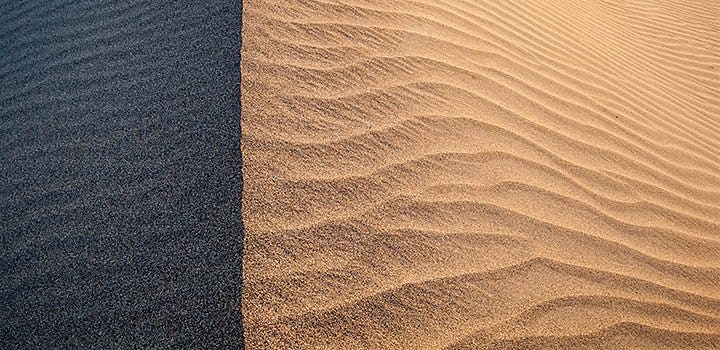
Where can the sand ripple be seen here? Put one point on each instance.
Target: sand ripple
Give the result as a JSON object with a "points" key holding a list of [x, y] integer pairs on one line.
{"points": [[471, 174]]}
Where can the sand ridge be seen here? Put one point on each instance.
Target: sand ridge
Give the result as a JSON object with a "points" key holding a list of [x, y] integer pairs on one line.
{"points": [[120, 174], [479, 174]]}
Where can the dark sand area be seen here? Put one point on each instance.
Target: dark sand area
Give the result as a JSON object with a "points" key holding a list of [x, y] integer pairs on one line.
{"points": [[120, 174]]}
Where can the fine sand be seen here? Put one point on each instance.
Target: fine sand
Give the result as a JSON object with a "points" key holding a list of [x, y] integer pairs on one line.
{"points": [[481, 174]]}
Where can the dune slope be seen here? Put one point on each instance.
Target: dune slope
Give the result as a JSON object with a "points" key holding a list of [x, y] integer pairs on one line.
{"points": [[481, 174]]}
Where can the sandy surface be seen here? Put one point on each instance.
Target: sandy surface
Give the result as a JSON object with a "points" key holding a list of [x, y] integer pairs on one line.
{"points": [[481, 174], [120, 174]]}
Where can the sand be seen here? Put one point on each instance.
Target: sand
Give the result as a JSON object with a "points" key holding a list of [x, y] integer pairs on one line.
{"points": [[481, 174], [120, 176]]}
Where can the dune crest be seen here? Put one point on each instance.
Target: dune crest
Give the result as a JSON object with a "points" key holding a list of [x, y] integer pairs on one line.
{"points": [[479, 174]]}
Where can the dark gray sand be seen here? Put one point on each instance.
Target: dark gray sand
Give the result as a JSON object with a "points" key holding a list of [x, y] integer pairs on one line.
{"points": [[120, 174]]}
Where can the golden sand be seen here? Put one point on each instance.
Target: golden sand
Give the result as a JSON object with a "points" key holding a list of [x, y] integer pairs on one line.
{"points": [[481, 174]]}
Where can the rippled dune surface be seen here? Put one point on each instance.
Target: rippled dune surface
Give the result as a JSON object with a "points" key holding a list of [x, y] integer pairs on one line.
{"points": [[481, 174]]}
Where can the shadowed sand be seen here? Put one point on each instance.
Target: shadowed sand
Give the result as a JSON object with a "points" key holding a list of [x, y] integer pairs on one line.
{"points": [[120, 174], [472, 174]]}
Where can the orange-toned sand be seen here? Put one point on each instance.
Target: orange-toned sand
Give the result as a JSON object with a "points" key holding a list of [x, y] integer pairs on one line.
{"points": [[481, 174]]}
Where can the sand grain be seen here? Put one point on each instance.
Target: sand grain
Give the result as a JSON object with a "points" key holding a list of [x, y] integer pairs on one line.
{"points": [[472, 174]]}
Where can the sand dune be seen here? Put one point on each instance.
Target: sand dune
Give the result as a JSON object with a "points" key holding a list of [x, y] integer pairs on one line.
{"points": [[481, 174]]}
